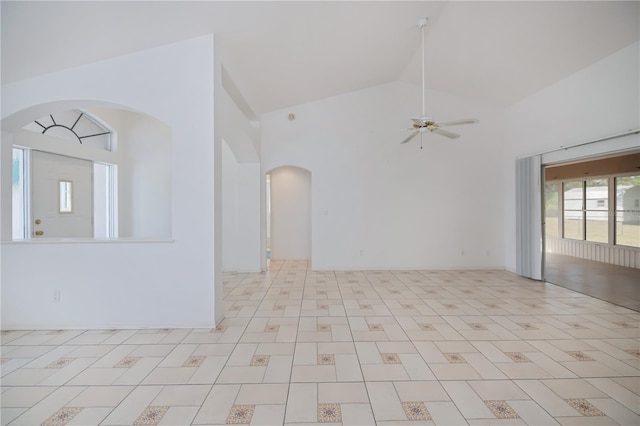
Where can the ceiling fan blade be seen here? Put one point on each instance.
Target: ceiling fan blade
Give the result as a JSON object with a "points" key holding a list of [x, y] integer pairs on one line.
{"points": [[411, 136], [446, 133], [458, 122], [420, 121]]}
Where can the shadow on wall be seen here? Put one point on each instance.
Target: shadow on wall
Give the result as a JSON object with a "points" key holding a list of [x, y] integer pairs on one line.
{"points": [[129, 153]]}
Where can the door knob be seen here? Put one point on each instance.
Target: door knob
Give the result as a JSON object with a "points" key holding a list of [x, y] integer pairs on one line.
{"points": [[38, 221], [39, 233]]}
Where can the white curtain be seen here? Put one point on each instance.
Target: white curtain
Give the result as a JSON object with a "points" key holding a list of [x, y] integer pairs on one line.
{"points": [[529, 217]]}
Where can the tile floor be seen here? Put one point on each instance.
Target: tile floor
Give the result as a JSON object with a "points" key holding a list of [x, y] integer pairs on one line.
{"points": [[300, 347]]}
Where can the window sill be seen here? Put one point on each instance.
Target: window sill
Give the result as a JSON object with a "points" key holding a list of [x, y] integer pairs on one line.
{"points": [[90, 241]]}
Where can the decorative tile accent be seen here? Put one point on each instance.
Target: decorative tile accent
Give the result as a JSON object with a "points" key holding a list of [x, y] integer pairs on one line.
{"points": [[427, 327], [365, 306], [323, 307], [271, 328], [416, 410], [634, 352], [219, 329], [127, 362], [626, 325], [390, 358], [580, 356], [501, 409], [111, 331], [394, 291], [5, 332], [517, 356], [194, 361], [62, 416], [375, 327], [584, 407], [491, 306], [260, 360], [407, 306], [450, 306], [577, 326], [60, 363], [527, 326], [240, 414], [284, 292], [321, 292], [235, 308], [278, 307], [324, 327], [326, 359], [455, 358], [55, 332], [477, 326], [358, 292], [329, 413], [151, 416], [467, 291]]}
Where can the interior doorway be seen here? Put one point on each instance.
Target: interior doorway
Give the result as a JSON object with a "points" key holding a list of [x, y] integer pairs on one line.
{"points": [[592, 227], [288, 213]]}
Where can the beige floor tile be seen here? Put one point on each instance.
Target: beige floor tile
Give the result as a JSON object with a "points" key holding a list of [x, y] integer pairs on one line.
{"points": [[467, 400], [230, 375], [181, 395], [302, 404], [421, 391], [100, 396], [48, 406], [268, 415], [385, 402], [618, 392], [546, 398], [216, 406], [454, 372], [445, 413], [342, 393], [26, 396], [208, 371], [169, 376]]}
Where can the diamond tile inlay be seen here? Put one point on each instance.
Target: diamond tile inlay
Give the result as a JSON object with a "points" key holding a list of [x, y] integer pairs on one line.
{"points": [[517, 357], [151, 416], [455, 358], [326, 359], [324, 327], [127, 362], [580, 356], [501, 409], [390, 358], [427, 327], [62, 416], [584, 407], [375, 327], [240, 414], [416, 410], [60, 363], [271, 328], [260, 360], [194, 361], [329, 413]]}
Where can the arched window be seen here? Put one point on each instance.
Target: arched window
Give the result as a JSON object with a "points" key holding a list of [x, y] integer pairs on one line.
{"points": [[75, 126]]}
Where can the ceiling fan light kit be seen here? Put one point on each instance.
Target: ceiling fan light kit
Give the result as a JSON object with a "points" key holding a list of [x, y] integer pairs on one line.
{"points": [[423, 123]]}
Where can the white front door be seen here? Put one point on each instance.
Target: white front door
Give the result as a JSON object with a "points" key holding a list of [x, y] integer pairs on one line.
{"points": [[61, 196]]}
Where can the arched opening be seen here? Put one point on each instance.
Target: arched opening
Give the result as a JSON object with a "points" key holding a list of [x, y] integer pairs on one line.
{"points": [[88, 170], [288, 213]]}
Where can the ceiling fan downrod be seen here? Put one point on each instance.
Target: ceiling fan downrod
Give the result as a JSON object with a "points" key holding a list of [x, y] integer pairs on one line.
{"points": [[422, 23]]}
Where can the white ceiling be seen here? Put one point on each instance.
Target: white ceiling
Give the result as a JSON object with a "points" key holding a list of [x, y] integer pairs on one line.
{"points": [[281, 54]]}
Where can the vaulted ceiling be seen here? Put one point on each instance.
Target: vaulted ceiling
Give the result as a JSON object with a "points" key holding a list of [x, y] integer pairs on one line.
{"points": [[286, 53]]}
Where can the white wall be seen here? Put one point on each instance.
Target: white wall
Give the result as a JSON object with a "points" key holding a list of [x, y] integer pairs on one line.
{"points": [[378, 204], [240, 213], [598, 101], [126, 284], [290, 213]]}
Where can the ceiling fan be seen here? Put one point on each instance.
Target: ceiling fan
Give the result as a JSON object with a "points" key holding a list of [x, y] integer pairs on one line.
{"points": [[423, 123]]}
